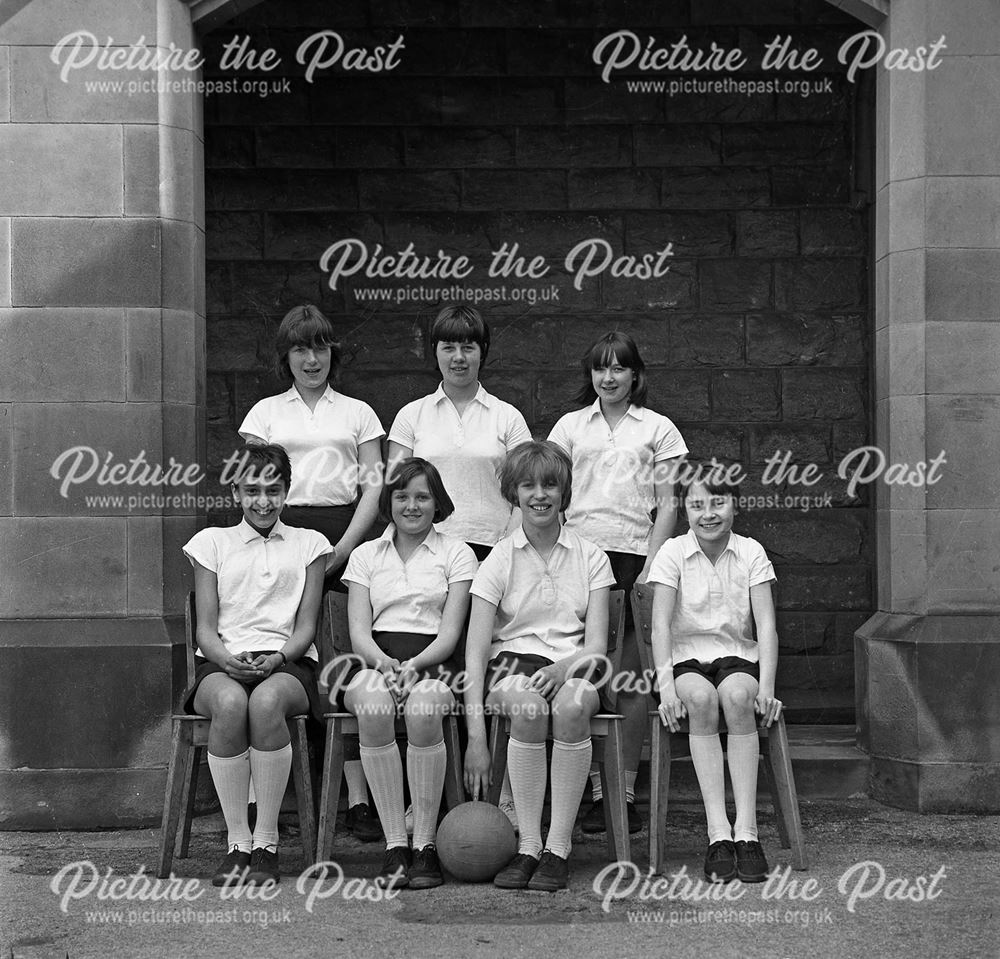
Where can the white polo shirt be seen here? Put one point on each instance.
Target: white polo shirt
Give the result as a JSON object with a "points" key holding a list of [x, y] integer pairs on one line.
{"points": [[613, 493], [261, 580], [712, 614], [409, 597], [322, 444], [467, 451], [541, 606]]}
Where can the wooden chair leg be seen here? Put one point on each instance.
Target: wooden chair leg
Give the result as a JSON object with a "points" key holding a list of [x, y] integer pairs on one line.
{"points": [[659, 767], [613, 784], [333, 775], [302, 775], [173, 801], [194, 757], [499, 737], [454, 789], [776, 798], [781, 761]]}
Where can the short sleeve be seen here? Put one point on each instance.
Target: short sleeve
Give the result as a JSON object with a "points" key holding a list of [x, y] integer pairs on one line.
{"points": [[403, 429], [560, 435], [666, 566], [599, 571], [369, 427], [668, 441], [517, 431], [255, 423], [315, 545], [359, 565], [761, 570], [462, 563], [490, 581], [203, 548]]}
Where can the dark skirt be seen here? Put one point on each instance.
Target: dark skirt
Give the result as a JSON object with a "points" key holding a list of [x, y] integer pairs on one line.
{"points": [[332, 522], [304, 670], [527, 664], [401, 646]]}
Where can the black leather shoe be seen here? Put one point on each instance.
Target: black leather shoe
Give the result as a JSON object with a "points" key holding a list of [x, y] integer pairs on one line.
{"points": [[720, 861], [232, 869], [516, 873], [395, 872], [593, 822], [751, 863], [263, 866], [552, 873], [425, 872], [363, 825]]}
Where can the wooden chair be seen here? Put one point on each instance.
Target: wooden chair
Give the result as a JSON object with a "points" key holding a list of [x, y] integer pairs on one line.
{"points": [[774, 754], [336, 640], [605, 729], [189, 739]]}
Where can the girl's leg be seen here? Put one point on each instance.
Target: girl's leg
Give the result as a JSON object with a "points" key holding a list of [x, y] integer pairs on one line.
{"points": [[369, 699], [702, 702], [737, 693], [572, 709], [224, 700], [526, 760], [271, 703], [426, 757]]}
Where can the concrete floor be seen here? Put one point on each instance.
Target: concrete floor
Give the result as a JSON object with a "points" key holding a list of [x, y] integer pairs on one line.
{"points": [[834, 917]]}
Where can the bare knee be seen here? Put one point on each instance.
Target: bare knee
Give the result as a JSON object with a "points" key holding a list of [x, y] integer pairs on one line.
{"points": [[702, 703], [375, 710], [573, 706], [424, 711]]}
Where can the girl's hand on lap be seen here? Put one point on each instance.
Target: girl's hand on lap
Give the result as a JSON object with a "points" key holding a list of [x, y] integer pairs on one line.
{"points": [[406, 679], [547, 681], [672, 710], [477, 770], [242, 668], [768, 707]]}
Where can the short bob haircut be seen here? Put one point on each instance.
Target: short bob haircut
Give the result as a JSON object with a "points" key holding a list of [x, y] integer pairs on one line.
{"points": [[615, 347], [460, 323], [410, 469], [304, 326], [255, 459], [539, 460], [716, 485]]}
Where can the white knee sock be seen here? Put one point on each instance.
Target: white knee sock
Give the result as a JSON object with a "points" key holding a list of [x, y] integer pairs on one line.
{"points": [[706, 755], [270, 770], [357, 787], [596, 788], [630, 777], [744, 752], [231, 775], [425, 771], [570, 765], [528, 778], [384, 771], [505, 793]]}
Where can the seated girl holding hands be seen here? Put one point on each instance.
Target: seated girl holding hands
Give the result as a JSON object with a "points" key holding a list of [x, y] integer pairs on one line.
{"points": [[539, 613], [408, 596]]}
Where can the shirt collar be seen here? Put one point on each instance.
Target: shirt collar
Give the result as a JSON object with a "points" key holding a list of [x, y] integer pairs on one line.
{"points": [[692, 546], [293, 394], [248, 534], [631, 410], [481, 397], [432, 540], [520, 538]]}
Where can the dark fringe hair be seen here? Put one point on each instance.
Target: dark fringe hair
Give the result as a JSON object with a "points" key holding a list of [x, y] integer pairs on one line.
{"points": [[410, 469], [461, 323], [304, 326], [614, 347], [541, 460]]}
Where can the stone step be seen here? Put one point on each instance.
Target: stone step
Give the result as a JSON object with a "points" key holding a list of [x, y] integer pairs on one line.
{"points": [[825, 761]]}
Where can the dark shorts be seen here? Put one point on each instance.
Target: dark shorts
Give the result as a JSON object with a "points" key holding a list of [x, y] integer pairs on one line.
{"points": [[480, 550], [400, 646], [304, 670], [527, 664], [717, 670], [625, 567], [332, 522]]}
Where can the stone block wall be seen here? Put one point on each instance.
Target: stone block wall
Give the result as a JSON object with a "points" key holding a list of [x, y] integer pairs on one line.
{"points": [[497, 128]]}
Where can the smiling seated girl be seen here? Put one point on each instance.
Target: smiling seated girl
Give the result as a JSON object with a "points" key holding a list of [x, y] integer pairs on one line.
{"points": [[257, 593], [408, 595], [539, 613]]}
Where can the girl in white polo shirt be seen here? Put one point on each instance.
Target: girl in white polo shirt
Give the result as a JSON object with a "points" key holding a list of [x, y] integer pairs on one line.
{"points": [[463, 430], [539, 611], [623, 458], [334, 442], [408, 599]]}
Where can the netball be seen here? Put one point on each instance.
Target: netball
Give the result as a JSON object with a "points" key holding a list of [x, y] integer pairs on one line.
{"points": [[475, 841]]}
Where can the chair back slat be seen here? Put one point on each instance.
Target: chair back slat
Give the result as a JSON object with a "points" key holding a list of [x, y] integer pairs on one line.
{"points": [[191, 635], [642, 614], [616, 626]]}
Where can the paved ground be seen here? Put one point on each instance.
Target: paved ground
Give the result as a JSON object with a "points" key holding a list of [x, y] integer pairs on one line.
{"points": [[932, 888]]}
